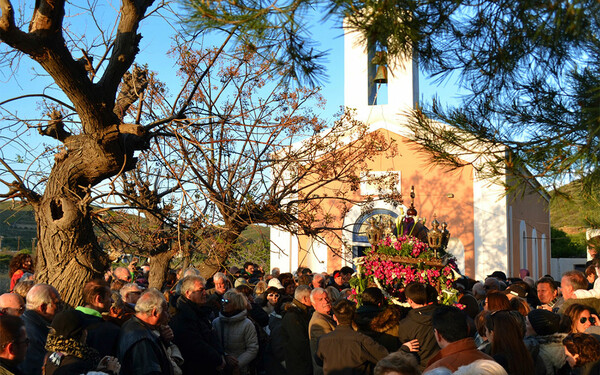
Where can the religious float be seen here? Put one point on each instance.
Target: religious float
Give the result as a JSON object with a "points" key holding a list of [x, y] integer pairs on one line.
{"points": [[403, 251]]}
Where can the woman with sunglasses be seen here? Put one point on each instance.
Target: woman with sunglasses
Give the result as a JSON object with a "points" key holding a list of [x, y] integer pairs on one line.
{"points": [[236, 332], [269, 299], [581, 317]]}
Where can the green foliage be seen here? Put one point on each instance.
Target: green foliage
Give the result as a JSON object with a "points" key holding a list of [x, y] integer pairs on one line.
{"points": [[567, 246], [570, 206], [281, 29], [253, 246], [17, 227], [528, 71]]}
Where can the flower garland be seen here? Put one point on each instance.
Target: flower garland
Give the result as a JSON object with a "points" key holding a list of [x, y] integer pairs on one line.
{"points": [[397, 261]]}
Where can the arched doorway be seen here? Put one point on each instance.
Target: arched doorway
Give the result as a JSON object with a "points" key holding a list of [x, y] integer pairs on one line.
{"points": [[355, 224], [360, 241]]}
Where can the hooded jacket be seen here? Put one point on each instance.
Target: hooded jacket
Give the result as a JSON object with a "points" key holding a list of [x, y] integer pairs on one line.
{"points": [[238, 338]]}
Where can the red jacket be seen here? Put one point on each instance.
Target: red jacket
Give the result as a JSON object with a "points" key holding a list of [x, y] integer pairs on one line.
{"points": [[456, 354]]}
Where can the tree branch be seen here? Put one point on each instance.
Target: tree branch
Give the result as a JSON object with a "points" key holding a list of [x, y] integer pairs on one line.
{"points": [[125, 48], [134, 84], [10, 33], [56, 127], [41, 96]]}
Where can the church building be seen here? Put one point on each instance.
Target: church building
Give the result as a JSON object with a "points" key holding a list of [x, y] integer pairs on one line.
{"points": [[490, 229]]}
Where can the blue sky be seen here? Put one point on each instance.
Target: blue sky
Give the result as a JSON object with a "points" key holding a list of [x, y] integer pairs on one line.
{"points": [[156, 32]]}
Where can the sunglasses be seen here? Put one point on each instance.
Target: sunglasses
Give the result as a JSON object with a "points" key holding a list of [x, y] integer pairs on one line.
{"points": [[585, 319]]}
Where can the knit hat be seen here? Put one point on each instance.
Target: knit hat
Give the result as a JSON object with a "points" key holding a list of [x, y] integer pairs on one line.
{"points": [[70, 323], [544, 322]]}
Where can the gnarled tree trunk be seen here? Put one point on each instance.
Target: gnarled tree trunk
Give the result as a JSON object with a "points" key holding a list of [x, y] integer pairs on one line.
{"points": [[68, 253]]}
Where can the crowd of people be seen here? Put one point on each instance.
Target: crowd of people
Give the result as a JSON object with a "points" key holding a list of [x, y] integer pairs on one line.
{"points": [[248, 322]]}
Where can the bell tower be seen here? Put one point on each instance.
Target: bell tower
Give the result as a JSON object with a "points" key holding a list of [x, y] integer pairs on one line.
{"points": [[363, 65]]}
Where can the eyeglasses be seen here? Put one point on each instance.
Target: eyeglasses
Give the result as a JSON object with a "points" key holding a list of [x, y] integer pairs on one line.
{"points": [[584, 319]]}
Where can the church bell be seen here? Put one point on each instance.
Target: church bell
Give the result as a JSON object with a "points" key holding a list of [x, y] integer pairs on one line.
{"points": [[381, 75]]}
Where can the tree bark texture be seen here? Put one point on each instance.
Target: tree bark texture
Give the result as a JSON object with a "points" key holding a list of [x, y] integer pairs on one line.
{"points": [[68, 253]]}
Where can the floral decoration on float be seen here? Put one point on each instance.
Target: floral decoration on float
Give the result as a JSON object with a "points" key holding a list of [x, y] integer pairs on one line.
{"points": [[397, 259]]}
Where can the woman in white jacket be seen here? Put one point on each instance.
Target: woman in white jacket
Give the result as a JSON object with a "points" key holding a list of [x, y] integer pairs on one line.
{"points": [[235, 331]]}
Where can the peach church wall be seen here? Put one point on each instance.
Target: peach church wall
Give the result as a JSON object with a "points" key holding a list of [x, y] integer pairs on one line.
{"points": [[432, 184]]}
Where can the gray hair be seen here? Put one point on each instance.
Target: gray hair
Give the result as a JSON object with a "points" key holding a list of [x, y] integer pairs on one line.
{"points": [[301, 292], [315, 292], [117, 301], [481, 367], [149, 300], [237, 299], [40, 294], [333, 293], [439, 371], [128, 288], [189, 282], [191, 272], [219, 276]]}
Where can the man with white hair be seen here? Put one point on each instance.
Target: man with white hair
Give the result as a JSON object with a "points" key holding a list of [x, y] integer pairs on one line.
{"points": [[215, 295], [294, 328], [141, 346], [12, 304], [43, 303], [320, 323], [194, 334]]}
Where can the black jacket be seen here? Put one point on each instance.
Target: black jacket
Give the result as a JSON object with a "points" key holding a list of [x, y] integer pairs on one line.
{"points": [[294, 329], [196, 338], [141, 352], [37, 331], [102, 335], [417, 325]]}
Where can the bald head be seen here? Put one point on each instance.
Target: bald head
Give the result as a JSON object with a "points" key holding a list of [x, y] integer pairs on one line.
{"points": [[12, 304], [122, 273]]}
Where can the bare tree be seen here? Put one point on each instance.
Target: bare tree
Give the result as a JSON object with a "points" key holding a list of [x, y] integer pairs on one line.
{"points": [[236, 130], [96, 137], [258, 153]]}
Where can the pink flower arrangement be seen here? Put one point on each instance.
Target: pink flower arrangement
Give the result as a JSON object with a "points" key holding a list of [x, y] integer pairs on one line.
{"points": [[396, 262]]}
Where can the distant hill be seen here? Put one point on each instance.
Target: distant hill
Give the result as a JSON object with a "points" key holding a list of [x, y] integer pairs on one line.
{"points": [[570, 215], [17, 227], [570, 210], [18, 230]]}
